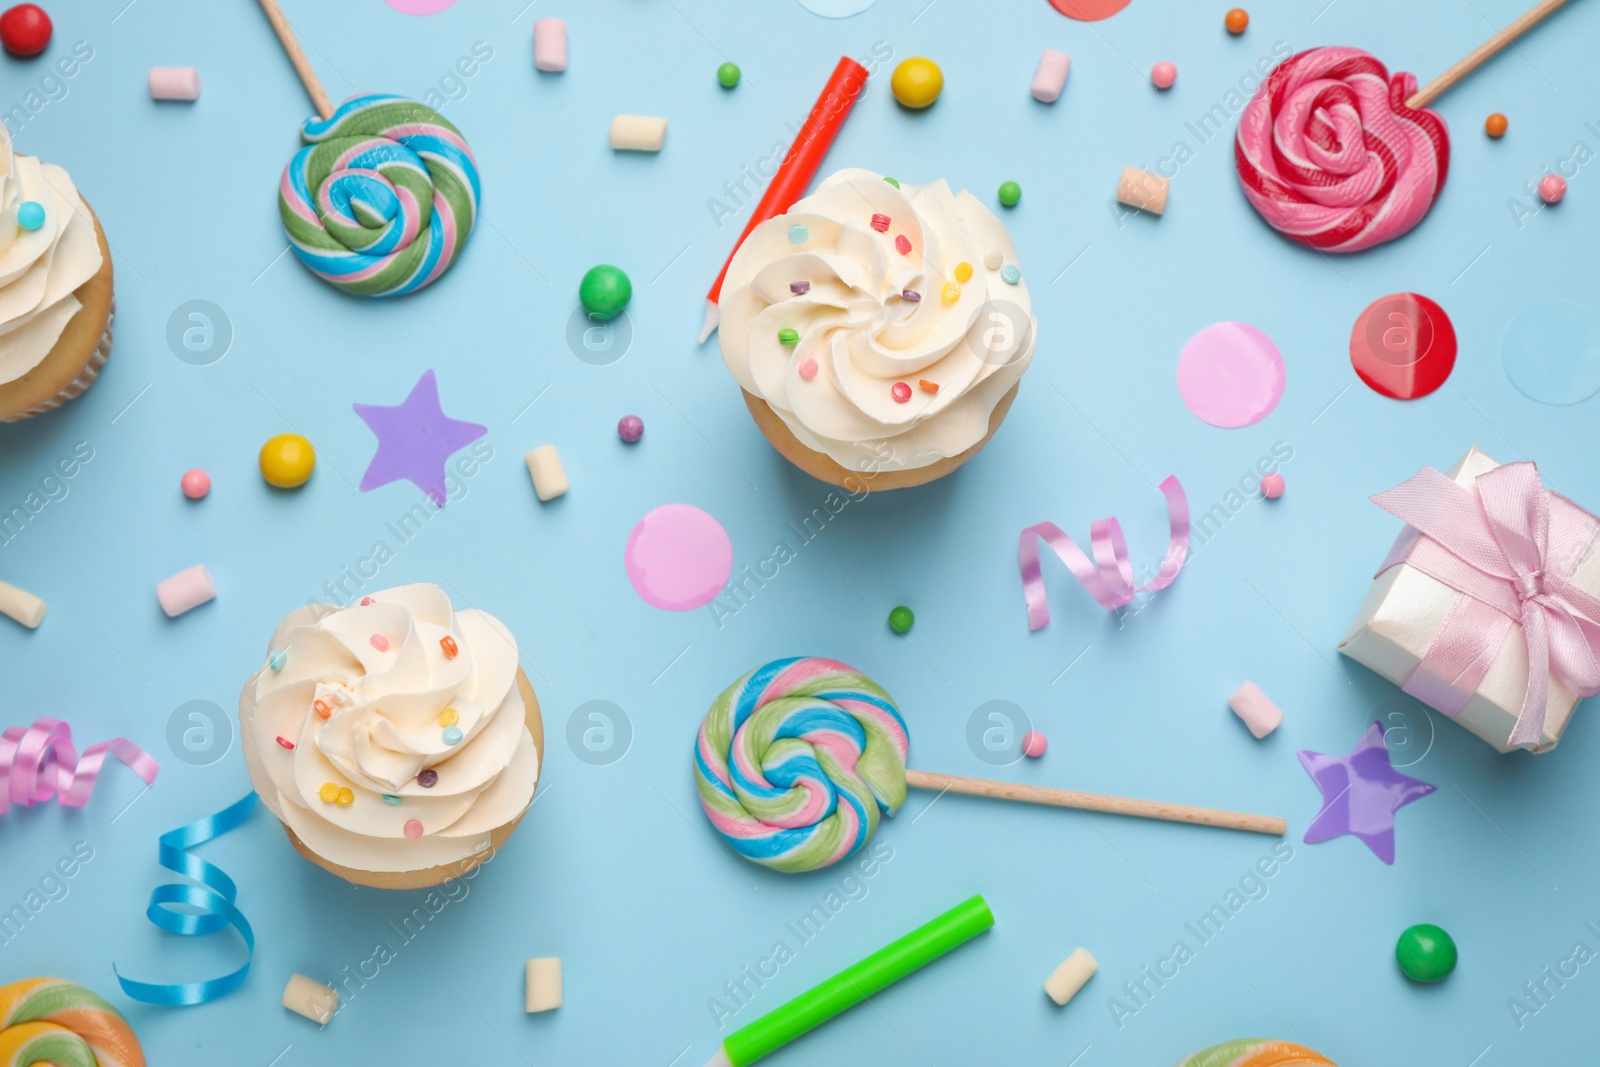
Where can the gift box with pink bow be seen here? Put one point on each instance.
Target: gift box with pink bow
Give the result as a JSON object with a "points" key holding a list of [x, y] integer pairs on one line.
{"points": [[1488, 606]]}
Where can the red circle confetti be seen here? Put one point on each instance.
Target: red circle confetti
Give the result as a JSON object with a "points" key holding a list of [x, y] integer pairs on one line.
{"points": [[1403, 346]]}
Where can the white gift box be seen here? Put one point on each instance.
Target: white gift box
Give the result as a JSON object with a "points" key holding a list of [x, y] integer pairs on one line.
{"points": [[1406, 609]]}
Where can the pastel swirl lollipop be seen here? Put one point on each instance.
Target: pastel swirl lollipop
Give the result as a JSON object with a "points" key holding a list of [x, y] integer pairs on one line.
{"points": [[1332, 156], [797, 760], [1257, 1052], [48, 1020], [382, 198]]}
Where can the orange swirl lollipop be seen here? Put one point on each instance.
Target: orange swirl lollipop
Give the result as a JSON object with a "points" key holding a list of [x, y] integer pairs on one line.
{"points": [[49, 1020]]}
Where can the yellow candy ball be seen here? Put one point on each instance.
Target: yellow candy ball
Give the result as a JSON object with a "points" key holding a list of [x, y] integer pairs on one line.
{"points": [[917, 82], [287, 461], [329, 793]]}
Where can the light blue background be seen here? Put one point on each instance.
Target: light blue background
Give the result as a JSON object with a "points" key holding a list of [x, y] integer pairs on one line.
{"points": [[614, 869]]}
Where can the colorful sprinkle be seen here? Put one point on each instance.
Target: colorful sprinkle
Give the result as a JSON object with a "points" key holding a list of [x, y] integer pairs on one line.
{"points": [[808, 369], [1011, 273], [30, 215], [992, 259], [728, 75], [799, 288], [329, 792], [630, 428], [449, 646], [413, 828], [927, 386], [367, 600], [788, 338], [1163, 75], [322, 708], [901, 392], [379, 642], [390, 798], [799, 235], [901, 619], [346, 797], [1010, 194], [1272, 485], [1236, 20], [195, 484], [428, 779], [1034, 744], [1552, 187], [880, 223], [278, 659], [449, 717], [286, 743], [951, 292], [963, 271], [902, 244], [892, 182], [1496, 125], [911, 296], [453, 735]]}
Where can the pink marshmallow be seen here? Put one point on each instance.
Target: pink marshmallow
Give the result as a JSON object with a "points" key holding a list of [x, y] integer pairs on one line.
{"points": [[186, 590], [1259, 713], [550, 45], [1051, 77], [174, 83]]}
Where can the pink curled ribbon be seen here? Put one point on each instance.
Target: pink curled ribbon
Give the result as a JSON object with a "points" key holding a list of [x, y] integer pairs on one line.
{"points": [[1109, 578], [40, 762], [1498, 548]]}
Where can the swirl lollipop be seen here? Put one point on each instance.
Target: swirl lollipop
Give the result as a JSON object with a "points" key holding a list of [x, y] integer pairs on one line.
{"points": [[797, 761], [1339, 155], [382, 198], [48, 1020]]}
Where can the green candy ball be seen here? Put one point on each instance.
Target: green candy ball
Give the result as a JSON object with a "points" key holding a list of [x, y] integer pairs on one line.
{"points": [[900, 620], [604, 292], [728, 75], [1010, 193], [1426, 953]]}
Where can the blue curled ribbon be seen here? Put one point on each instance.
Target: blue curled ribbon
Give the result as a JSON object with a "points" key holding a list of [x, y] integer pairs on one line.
{"points": [[214, 897]]}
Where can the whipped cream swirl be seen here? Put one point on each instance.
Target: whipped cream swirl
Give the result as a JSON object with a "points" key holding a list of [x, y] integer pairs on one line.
{"points": [[859, 270], [383, 674], [39, 269]]}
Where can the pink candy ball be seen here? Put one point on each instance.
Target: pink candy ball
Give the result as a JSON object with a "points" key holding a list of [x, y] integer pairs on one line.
{"points": [[1552, 187], [1034, 743], [1163, 74], [808, 369], [1272, 485], [196, 484], [630, 428]]}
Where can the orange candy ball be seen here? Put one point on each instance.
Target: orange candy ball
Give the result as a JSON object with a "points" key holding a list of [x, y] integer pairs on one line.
{"points": [[1495, 125], [1237, 20]]}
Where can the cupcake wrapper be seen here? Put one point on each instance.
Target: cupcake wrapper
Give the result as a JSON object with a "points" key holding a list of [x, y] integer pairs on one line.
{"points": [[79, 385]]}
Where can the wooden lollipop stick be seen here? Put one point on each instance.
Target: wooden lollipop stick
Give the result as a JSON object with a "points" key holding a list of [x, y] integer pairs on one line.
{"points": [[1478, 56], [297, 56], [1066, 798]]}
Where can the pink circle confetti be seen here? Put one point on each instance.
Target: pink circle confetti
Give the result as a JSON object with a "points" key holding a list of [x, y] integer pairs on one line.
{"points": [[678, 558], [1231, 374], [419, 7], [379, 642], [808, 369], [413, 828]]}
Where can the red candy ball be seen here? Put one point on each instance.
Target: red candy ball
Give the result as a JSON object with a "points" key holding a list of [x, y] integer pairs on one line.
{"points": [[25, 30]]}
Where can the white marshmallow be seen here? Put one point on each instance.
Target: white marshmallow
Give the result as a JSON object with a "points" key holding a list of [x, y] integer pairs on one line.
{"points": [[550, 45], [186, 590], [549, 476], [544, 984], [638, 133], [21, 605], [1051, 77], [1256, 709], [1065, 981], [174, 83], [305, 996]]}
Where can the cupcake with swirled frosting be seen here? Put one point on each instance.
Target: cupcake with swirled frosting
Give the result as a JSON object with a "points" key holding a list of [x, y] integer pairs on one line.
{"points": [[878, 330], [397, 740], [55, 288]]}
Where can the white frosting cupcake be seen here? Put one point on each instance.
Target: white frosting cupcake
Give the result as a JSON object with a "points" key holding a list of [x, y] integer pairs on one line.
{"points": [[873, 317], [408, 726]]}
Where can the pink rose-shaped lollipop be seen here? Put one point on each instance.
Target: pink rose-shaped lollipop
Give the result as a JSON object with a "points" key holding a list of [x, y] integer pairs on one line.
{"points": [[1331, 156]]}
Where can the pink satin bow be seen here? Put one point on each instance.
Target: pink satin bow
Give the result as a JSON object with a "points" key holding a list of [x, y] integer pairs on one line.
{"points": [[40, 761], [1499, 548], [1109, 579]]}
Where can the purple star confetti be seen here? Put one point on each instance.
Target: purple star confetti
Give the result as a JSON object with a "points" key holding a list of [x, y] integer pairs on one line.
{"points": [[1360, 794], [415, 439]]}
